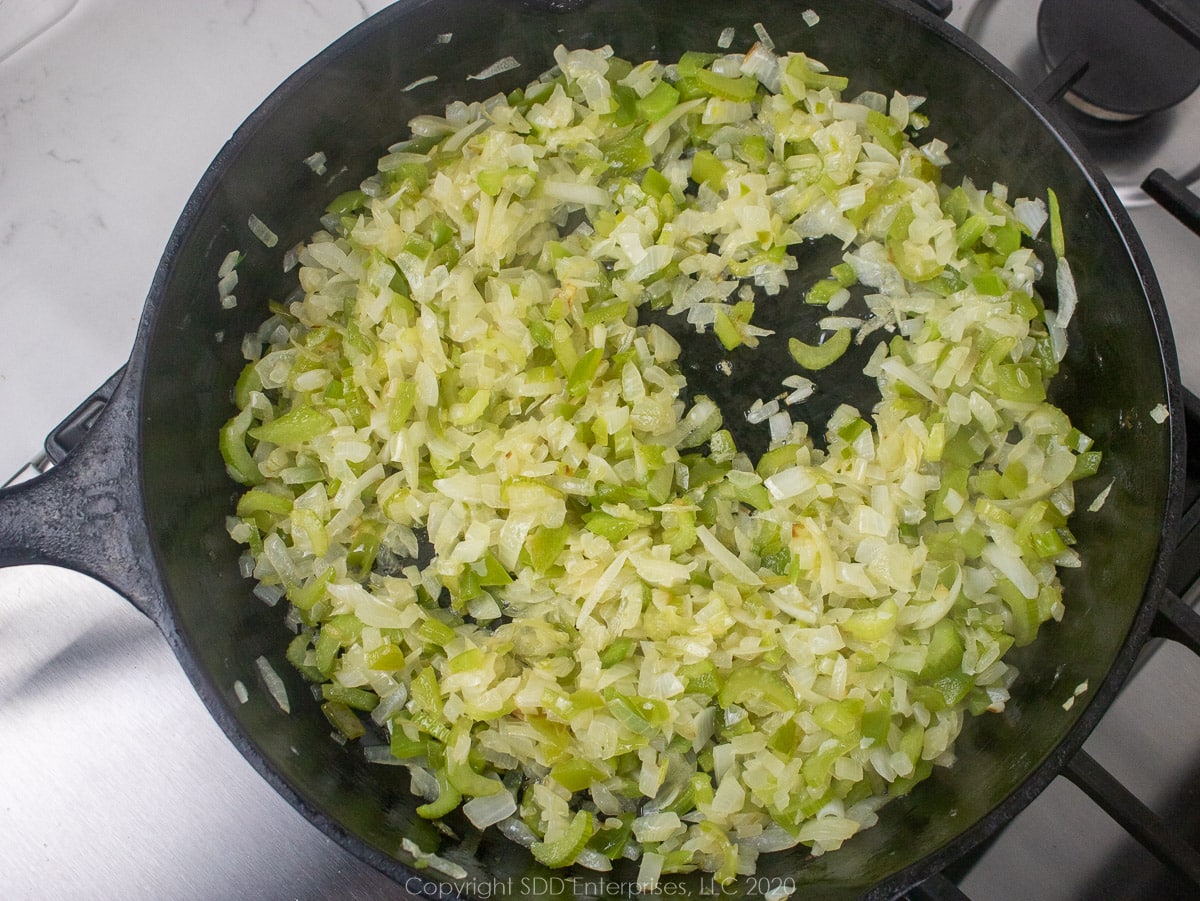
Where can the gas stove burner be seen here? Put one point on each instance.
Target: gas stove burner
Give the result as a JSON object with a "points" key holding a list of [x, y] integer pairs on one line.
{"points": [[1126, 149], [1137, 65]]}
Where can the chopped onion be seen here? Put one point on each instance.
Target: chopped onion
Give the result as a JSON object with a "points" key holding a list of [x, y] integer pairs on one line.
{"points": [[316, 162], [763, 37], [1098, 503], [433, 861], [498, 67], [487, 810], [413, 85], [274, 684], [260, 230], [229, 263]]}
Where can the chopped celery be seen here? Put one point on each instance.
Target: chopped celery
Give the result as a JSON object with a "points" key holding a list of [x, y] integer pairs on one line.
{"points": [[612, 841], [707, 169], [342, 718], [743, 88], [971, 231], [1057, 243], [1086, 464], [727, 333], [691, 62], [799, 66], [840, 718], [447, 800], [562, 850], [872, 623], [257, 500], [606, 314], [844, 274], [354, 698], [1024, 611], [576, 774], [247, 382], [885, 131], [545, 545], [875, 724], [754, 148], [821, 292], [584, 372], [434, 631], [238, 461], [462, 775], [1021, 382], [818, 356]]}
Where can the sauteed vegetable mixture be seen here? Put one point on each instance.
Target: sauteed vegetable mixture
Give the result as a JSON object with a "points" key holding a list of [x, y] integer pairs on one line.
{"points": [[562, 597]]}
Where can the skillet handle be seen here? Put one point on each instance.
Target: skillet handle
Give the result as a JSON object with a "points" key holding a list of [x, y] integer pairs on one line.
{"points": [[85, 513]]}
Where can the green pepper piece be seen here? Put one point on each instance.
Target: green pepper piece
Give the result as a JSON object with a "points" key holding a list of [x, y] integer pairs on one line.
{"points": [[347, 202], [294, 427], [945, 651], [752, 684], [584, 371], [990, 284], [658, 102], [1020, 382], [608, 526], [617, 651], [459, 771], [386, 657]]}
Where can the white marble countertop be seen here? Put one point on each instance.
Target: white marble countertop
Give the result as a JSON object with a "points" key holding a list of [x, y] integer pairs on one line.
{"points": [[114, 782], [108, 118]]}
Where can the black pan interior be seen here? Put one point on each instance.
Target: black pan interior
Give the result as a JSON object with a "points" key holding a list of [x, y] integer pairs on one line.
{"points": [[349, 104]]}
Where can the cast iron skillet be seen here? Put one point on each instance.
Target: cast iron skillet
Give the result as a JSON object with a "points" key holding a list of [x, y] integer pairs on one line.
{"points": [[141, 505]]}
